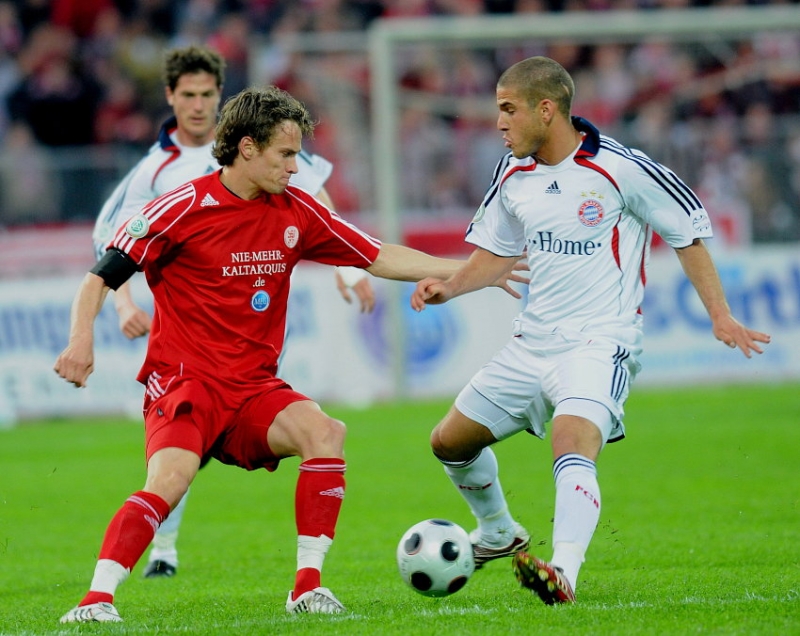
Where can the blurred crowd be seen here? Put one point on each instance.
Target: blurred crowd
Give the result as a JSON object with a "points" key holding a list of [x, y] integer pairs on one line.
{"points": [[81, 97]]}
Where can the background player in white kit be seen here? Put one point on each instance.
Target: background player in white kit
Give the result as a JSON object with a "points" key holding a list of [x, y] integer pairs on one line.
{"points": [[193, 78], [583, 207]]}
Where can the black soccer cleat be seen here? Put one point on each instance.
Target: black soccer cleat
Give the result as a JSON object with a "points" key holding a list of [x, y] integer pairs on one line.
{"points": [[160, 570]]}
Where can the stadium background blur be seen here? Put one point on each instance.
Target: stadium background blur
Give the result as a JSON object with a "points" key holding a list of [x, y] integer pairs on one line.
{"points": [[81, 99]]}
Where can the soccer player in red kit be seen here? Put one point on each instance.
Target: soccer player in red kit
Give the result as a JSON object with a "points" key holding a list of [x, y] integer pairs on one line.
{"points": [[218, 253]]}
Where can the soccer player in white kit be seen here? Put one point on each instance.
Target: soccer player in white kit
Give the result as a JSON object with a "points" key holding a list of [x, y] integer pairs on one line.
{"points": [[583, 207], [194, 78]]}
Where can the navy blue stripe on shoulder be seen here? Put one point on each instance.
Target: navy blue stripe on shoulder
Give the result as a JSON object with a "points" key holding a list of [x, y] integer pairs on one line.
{"points": [[591, 140], [663, 176], [164, 140], [499, 171]]}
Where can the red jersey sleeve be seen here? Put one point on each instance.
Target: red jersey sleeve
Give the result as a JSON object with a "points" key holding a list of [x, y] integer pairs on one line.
{"points": [[150, 234], [327, 238]]}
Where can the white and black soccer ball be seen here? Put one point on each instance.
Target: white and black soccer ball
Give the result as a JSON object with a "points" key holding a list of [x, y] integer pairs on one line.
{"points": [[435, 557]]}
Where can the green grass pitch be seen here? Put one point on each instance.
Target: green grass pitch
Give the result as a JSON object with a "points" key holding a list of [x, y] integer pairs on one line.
{"points": [[699, 530]]}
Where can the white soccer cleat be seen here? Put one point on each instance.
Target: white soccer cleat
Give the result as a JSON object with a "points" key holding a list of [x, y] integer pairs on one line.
{"points": [[484, 552], [93, 613], [320, 600]]}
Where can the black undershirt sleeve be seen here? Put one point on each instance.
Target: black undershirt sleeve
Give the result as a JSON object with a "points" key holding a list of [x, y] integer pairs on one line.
{"points": [[115, 268]]}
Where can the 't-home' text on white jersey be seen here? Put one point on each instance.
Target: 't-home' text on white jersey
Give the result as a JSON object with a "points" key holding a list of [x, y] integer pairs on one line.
{"points": [[586, 225]]}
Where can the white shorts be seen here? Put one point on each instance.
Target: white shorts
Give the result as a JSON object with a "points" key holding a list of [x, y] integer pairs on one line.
{"points": [[523, 388]]}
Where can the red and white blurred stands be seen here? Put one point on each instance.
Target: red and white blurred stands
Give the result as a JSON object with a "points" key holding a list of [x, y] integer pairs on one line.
{"points": [[38, 251]]}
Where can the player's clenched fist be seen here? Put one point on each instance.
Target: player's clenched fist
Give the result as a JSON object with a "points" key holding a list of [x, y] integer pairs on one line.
{"points": [[75, 365]]}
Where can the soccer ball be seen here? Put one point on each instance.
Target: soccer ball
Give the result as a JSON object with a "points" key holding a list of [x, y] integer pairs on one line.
{"points": [[435, 557]]}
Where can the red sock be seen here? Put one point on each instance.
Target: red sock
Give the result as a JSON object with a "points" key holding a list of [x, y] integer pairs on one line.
{"points": [[319, 495], [132, 529], [96, 597], [318, 500], [306, 579], [128, 534]]}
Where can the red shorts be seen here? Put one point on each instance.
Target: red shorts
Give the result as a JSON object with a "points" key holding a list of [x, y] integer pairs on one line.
{"points": [[201, 417]]}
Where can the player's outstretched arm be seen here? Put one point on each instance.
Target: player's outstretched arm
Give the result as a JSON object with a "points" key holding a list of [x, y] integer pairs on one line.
{"points": [[701, 272], [134, 321], [398, 262], [481, 270], [76, 362]]}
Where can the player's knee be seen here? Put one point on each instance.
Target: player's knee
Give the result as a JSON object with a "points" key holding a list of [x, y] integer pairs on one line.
{"points": [[170, 485], [327, 437], [170, 471], [337, 431], [446, 448], [576, 435], [437, 447]]}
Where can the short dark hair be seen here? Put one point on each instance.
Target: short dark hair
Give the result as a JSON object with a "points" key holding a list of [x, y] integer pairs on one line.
{"points": [[256, 113], [192, 59], [539, 78]]}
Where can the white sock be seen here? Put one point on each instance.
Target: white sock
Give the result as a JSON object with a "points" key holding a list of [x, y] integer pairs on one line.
{"points": [[478, 482], [311, 551], [577, 512], [108, 575], [166, 537]]}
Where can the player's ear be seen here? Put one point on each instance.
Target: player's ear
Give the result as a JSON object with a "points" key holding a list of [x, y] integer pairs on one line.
{"points": [[247, 147], [546, 110], [168, 94]]}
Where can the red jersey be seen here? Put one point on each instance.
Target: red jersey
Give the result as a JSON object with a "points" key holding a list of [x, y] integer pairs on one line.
{"points": [[219, 269]]}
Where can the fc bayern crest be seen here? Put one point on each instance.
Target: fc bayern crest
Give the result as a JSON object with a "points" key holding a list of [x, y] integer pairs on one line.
{"points": [[591, 213], [290, 236]]}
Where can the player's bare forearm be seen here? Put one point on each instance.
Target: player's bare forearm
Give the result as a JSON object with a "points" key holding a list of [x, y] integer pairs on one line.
{"points": [[701, 272], [481, 270], [87, 304], [398, 262], [76, 362]]}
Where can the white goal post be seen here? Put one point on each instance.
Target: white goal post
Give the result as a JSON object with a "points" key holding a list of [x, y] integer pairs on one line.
{"points": [[386, 36]]}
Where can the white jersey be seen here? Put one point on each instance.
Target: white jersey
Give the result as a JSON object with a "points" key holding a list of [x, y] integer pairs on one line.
{"points": [[586, 225], [168, 165]]}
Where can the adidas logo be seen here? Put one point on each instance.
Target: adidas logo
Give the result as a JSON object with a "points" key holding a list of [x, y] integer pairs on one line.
{"points": [[337, 492], [553, 188], [208, 200]]}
